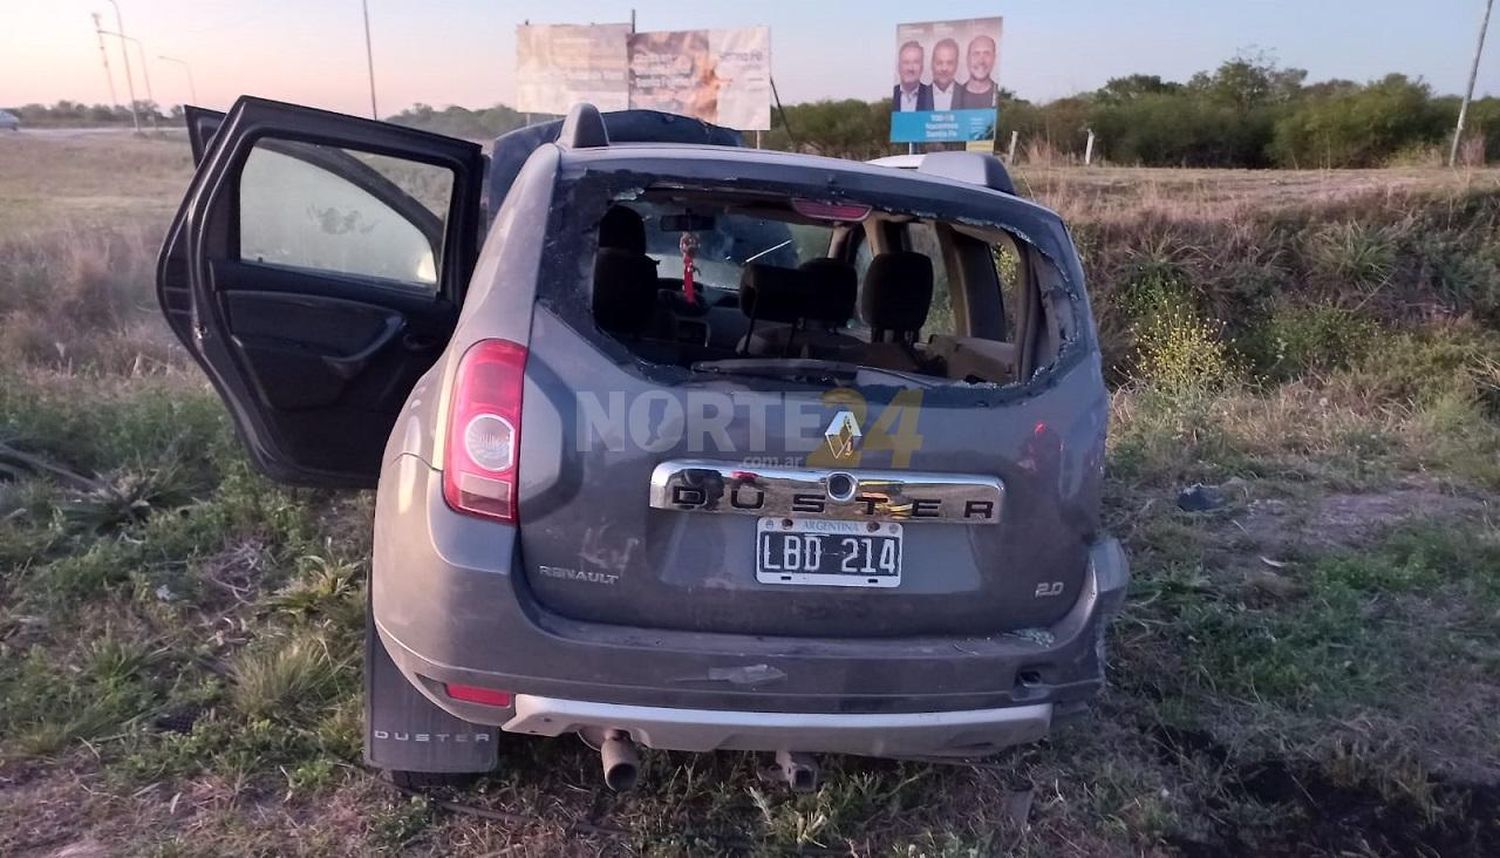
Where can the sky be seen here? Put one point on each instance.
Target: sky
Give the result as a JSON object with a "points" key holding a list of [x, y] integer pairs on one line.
{"points": [[442, 52]]}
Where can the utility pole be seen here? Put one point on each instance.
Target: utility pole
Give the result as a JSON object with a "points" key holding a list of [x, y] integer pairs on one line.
{"points": [[370, 59], [192, 87], [135, 117], [140, 54], [1463, 110], [114, 100]]}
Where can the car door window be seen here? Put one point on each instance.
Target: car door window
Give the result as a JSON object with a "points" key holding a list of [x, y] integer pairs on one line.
{"points": [[322, 208]]}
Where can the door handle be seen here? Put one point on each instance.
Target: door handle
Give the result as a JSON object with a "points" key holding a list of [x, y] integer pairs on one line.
{"points": [[348, 366]]}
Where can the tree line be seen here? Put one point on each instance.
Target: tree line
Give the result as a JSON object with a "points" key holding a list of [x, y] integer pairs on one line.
{"points": [[67, 113], [1248, 113]]}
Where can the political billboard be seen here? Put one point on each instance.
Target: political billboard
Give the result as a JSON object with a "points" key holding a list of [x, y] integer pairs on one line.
{"points": [[945, 81], [718, 76], [559, 65]]}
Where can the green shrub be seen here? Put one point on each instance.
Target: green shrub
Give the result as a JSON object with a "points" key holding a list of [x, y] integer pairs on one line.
{"points": [[1176, 347], [1178, 350], [1300, 339], [1463, 279], [1359, 127]]}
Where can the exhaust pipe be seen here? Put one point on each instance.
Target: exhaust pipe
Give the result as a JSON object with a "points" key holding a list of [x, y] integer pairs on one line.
{"points": [[799, 770], [622, 766]]}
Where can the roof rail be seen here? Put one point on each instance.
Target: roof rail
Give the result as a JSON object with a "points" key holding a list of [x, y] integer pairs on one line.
{"points": [[583, 129], [976, 168]]}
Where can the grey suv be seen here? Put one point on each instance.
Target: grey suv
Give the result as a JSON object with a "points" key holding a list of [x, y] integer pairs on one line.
{"points": [[676, 443]]}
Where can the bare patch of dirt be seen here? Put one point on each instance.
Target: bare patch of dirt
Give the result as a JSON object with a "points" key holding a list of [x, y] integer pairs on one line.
{"points": [[1335, 818], [1346, 519], [43, 812]]}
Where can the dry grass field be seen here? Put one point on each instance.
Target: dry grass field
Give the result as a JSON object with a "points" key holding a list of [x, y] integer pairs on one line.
{"points": [[1311, 668]]}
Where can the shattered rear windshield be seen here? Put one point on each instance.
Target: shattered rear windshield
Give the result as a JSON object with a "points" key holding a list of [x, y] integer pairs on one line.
{"points": [[797, 283]]}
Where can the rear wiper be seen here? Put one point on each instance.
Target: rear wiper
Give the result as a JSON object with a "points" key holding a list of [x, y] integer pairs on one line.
{"points": [[772, 249], [808, 370]]}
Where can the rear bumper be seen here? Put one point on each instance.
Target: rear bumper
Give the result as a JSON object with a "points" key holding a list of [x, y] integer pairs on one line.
{"points": [[448, 610], [968, 732]]}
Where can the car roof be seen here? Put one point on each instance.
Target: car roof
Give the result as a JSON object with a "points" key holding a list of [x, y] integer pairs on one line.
{"points": [[900, 162], [713, 162]]}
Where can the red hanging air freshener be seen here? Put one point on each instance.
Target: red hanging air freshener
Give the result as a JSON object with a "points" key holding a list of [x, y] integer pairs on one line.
{"points": [[688, 245]]}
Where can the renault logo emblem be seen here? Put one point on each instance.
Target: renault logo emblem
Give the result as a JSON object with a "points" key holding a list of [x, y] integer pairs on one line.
{"points": [[843, 435]]}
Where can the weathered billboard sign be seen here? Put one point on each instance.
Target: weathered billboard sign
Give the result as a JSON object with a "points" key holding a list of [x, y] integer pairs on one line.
{"points": [[718, 76], [559, 65]]}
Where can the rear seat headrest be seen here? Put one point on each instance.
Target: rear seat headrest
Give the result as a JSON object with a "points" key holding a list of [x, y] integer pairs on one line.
{"points": [[835, 288], [898, 292], [622, 228], [624, 290], [769, 293], [821, 290]]}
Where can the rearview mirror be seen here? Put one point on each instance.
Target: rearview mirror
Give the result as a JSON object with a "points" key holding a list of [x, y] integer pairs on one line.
{"points": [[686, 223]]}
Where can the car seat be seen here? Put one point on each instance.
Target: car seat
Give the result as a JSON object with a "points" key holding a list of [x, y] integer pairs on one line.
{"points": [[800, 312], [894, 303], [624, 300]]}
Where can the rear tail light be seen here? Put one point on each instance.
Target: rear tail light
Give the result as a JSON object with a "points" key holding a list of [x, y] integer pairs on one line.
{"points": [[476, 694], [484, 430]]}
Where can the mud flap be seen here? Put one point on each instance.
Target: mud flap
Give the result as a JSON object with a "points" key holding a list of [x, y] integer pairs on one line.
{"points": [[405, 732]]}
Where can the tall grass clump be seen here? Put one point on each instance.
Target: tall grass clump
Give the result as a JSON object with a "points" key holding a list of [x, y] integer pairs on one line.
{"points": [[1351, 255], [82, 298], [284, 677]]}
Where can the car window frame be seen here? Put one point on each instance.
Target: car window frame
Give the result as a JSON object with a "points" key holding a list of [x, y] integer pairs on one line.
{"points": [[337, 160]]}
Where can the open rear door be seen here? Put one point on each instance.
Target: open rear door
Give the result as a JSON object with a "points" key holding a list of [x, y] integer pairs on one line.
{"points": [[315, 270], [202, 125]]}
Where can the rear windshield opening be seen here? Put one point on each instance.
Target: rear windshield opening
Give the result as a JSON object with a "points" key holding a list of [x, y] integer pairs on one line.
{"points": [[773, 285]]}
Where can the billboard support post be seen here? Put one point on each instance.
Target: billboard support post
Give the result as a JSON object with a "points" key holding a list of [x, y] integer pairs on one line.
{"points": [[1010, 153]]}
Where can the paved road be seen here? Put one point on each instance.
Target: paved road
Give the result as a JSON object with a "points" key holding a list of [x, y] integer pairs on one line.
{"points": [[66, 133]]}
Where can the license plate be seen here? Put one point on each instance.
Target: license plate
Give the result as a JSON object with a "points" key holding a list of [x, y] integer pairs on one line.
{"points": [[828, 553]]}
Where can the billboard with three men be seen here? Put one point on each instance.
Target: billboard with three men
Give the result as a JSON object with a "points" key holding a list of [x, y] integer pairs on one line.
{"points": [[945, 81]]}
